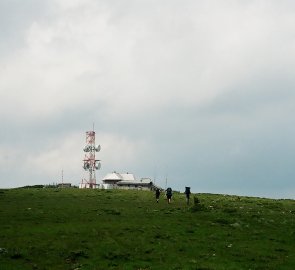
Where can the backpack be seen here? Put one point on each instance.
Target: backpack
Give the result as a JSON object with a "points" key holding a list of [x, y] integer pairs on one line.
{"points": [[187, 190], [169, 191]]}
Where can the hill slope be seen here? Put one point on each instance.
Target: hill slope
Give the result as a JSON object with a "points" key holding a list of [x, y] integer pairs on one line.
{"points": [[116, 229]]}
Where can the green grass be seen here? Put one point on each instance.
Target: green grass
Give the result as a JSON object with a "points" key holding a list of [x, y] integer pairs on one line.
{"points": [[118, 229]]}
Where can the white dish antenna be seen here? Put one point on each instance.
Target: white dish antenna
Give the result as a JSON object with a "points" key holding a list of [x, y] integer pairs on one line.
{"points": [[98, 166]]}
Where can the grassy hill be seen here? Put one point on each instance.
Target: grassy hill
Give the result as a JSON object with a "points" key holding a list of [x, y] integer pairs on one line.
{"points": [[116, 229]]}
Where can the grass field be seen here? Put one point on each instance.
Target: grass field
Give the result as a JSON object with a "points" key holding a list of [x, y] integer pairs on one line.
{"points": [[118, 229]]}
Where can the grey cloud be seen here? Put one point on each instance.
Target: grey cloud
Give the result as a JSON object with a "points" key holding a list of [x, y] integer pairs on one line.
{"points": [[15, 17], [253, 95], [189, 91]]}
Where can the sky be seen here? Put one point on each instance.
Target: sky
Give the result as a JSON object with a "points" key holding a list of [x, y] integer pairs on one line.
{"points": [[188, 93]]}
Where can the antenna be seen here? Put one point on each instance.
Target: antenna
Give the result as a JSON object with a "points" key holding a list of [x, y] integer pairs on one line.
{"points": [[166, 182], [91, 164], [155, 174]]}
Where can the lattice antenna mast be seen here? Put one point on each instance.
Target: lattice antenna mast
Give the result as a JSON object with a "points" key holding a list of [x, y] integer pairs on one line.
{"points": [[91, 164]]}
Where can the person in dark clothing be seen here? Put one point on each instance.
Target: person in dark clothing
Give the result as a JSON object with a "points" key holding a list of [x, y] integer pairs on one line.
{"points": [[157, 195], [169, 194], [187, 194]]}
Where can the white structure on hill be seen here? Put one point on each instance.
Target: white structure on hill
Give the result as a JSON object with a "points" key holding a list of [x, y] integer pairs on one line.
{"points": [[85, 184], [126, 181]]}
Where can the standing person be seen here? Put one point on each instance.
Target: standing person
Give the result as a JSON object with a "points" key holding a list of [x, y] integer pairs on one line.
{"points": [[169, 194], [187, 194], [157, 195]]}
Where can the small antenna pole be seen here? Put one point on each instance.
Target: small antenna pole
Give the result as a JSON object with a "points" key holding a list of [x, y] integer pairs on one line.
{"points": [[166, 183], [155, 175]]}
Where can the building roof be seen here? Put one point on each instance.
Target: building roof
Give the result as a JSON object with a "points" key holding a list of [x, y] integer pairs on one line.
{"points": [[126, 179], [113, 176], [119, 177]]}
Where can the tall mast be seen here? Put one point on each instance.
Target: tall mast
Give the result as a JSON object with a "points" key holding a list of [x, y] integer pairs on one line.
{"points": [[91, 164]]}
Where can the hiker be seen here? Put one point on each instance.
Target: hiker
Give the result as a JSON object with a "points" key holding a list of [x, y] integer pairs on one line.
{"points": [[187, 194], [169, 194], [157, 195]]}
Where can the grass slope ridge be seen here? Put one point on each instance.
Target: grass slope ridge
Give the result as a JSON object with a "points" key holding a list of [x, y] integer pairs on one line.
{"points": [[119, 229]]}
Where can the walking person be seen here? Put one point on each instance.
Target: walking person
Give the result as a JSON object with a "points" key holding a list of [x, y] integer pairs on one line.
{"points": [[157, 194], [187, 194], [169, 194]]}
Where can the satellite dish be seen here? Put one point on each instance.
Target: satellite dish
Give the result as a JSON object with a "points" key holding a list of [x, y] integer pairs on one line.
{"points": [[97, 166], [97, 148], [87, 148]]}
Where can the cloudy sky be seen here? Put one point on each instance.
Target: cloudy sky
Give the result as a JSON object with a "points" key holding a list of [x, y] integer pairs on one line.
{"points": [[201, 93]]}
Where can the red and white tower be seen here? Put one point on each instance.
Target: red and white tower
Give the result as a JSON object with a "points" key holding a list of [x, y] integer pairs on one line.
{"points": [[90, 163]]}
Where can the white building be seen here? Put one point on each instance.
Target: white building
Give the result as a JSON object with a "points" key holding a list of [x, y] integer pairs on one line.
{"points": [[85, 184], [126, 181]]}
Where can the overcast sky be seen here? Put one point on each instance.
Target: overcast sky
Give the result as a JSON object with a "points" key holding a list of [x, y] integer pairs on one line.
{"points": [[201, 93]]}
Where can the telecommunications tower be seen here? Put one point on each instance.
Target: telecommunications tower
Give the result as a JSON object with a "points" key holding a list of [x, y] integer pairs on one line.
{"points": [[90, 163]]}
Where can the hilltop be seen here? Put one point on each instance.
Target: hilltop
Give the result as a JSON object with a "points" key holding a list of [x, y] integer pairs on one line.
{"points": [[122, 229]]}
